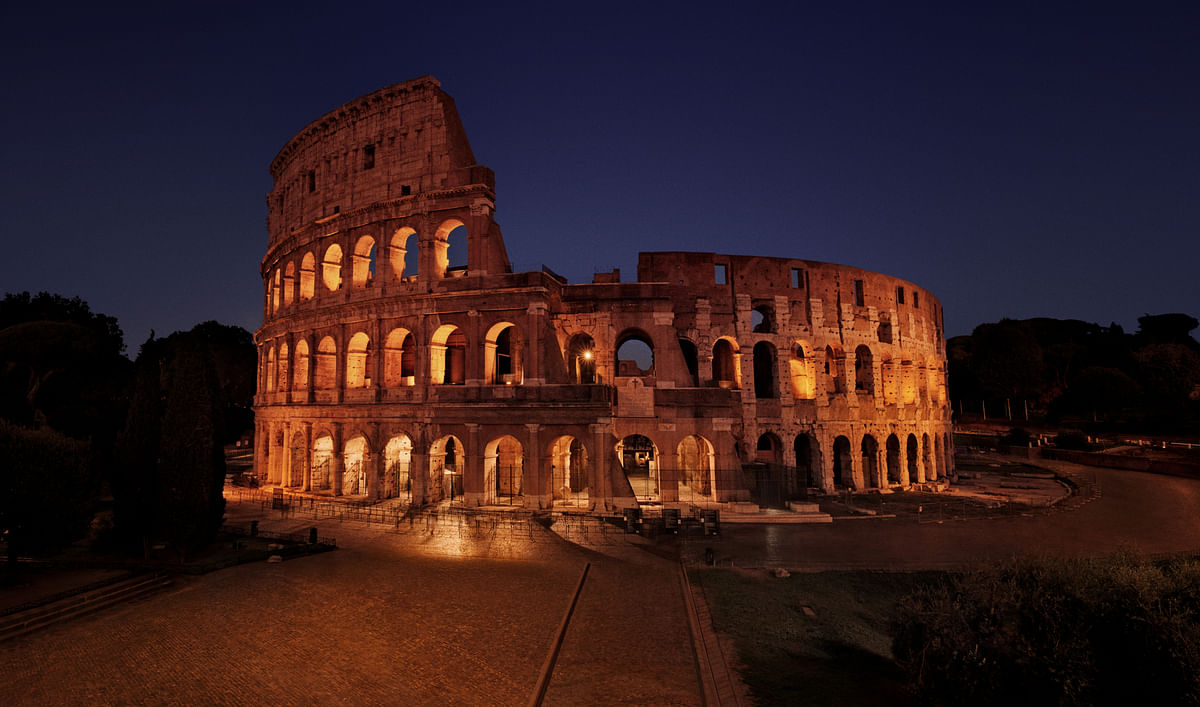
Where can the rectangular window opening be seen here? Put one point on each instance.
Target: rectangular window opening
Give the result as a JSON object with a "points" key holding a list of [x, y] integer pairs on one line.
{"points": [[405, 190], [720, 273], [858, 293], [900, 295], [797, 279], [916, 301], [312, 181], [369, 157]]}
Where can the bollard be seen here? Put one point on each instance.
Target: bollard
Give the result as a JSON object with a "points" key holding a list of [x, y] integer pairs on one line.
{"points": [[710, 557]]}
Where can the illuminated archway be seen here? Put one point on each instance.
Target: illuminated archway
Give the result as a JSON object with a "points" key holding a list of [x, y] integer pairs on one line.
{"points": [[581, 360], [447, 462], [300, 372], [397, 460], [503, 355], [402, 253], [308, 276], [695, 462], [355, 459], [322, 463], [569, 469], [503, 471], [325, 377], [399, 359], [726, 363], [362, 262], [639, 459], [448, 356], [358, 373], [331, 267]]}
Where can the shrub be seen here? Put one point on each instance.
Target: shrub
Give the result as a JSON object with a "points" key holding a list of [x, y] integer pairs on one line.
{"points": [[1071, 439], [1112, 631]]}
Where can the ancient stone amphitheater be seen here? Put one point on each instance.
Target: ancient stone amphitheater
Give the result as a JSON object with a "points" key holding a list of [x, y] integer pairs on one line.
{"points": [[401, 357]]}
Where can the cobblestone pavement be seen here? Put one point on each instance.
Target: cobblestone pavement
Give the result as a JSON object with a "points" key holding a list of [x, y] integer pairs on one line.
{"points": [[1144, 513], [389, 618]]}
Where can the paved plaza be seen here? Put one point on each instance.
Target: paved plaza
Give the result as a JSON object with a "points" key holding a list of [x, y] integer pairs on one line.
{"points": [[442, 617]]}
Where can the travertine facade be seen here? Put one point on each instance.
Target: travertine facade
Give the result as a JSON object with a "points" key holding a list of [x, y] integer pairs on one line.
{"points": [[389, 369]]}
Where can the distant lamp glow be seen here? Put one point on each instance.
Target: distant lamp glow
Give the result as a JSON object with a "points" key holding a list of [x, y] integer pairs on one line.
{"points": [[587, 355]]}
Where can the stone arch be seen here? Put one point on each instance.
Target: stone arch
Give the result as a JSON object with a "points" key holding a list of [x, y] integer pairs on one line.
{"points": [[726, 363], [581, 359], [808, 461], [362, 262], [282, 370], [764, 370], [289, 283], [399, 358], [308, 276], [912, 453], [450, 237], [639, 459], [403, 257], [503, 471], [331, 267], [691, 359], [357, 361], [894, 474], [397, 465], [633, 348], [270, 372], [762, 318], [870, 462], [276, 290], [447, 462], [356, 456], [888, 385], [448, 356], [569, 471], [803, 373], [322, 462], [768, 449], [325, 375], [835, 381], [695, 462], [843, 462], [504, 355], [299, 455], [300, 371], [864, 370], [908, 386]]}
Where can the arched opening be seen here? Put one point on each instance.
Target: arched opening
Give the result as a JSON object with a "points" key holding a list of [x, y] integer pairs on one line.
{"points": [[270, 372], [399, 359], [289, 283], [864, 371], [762, 319], [884, 332], [581, 360], [888, 384], [503, 471], [870, 462], [569, 469], [691, 358], [922, 383], [635, 354], [299, 455], [362, 263], [276, 291], [354, 469], [300, 373], [503, 355], [808, 463], [893, 459], [357, 370], [843, 464], [450, 249], [695, 462], [725, 364], [331, 267], [448, 356], [908, 386], [447, 462], [308, 277], [322, 463], [639, 459], [325, 377], [943, 458], [804, 383], [927, 458], [769, 450], [764, 370], [913, 473], [834, 382], [402, 253], [284, 358], [397, 461]]}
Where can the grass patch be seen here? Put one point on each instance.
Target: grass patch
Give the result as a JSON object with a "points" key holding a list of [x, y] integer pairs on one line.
{"points": [[841, 655]]}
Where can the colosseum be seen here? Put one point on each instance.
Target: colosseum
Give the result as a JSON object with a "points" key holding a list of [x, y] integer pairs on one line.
{"points": [[401, 356]]}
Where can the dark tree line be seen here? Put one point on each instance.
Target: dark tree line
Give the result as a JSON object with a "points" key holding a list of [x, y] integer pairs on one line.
{"points": [[80, 419], [1074, 370]]}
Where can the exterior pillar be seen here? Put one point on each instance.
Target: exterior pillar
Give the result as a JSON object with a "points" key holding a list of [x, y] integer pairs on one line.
{"points": [[600, 481], [285, 473], [474, 492], [418, 468], [337, 465], [535, 316], [532, 477], [473, 366], [308, 444], [374, 470]]}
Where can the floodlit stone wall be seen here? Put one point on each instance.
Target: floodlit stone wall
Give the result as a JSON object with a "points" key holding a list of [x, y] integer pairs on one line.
{"points": [[401, 357]]}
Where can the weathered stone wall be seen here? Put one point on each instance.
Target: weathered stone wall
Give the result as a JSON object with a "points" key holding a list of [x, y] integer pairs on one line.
{"points": [[474, 383]]}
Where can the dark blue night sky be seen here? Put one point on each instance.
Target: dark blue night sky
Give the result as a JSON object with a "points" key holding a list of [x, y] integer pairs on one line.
{"points": [[1033, 159]]}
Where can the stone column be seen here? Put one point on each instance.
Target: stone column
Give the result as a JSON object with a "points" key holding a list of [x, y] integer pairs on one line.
{"points": [[418, 468], [473, 365], [600, 483], [473, 481], [532, 476], [339, 365], [285, 476], [308, 444], [535, 318], [374, 470], [337, 465], [310, 375]]}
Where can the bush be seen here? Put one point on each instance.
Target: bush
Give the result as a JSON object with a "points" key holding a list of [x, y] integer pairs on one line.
{"points": [[1017, 437], [1072, 439], [1113, 631]]}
